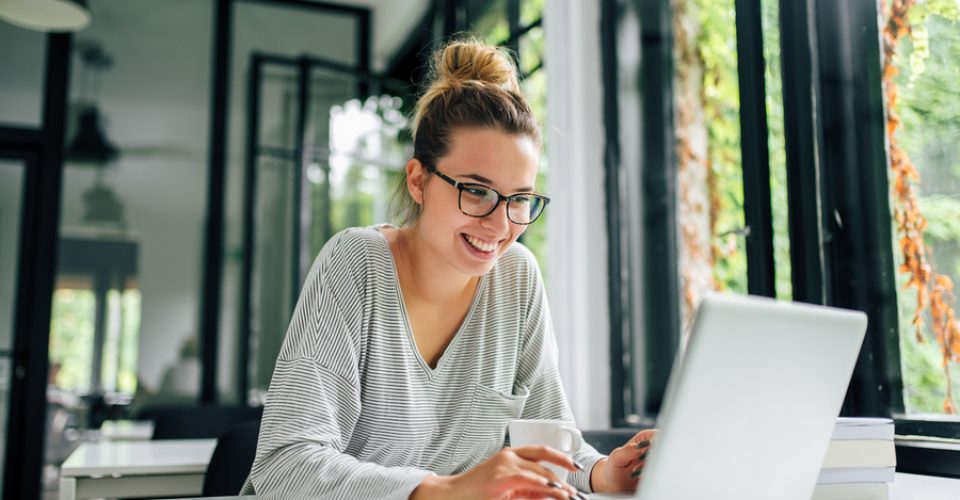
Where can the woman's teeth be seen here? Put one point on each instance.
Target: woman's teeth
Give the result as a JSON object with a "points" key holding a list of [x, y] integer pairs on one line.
{"points": [[480, 244]]}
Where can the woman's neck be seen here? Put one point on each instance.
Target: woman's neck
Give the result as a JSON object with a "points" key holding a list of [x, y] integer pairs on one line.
{"points": [[424, 275]]}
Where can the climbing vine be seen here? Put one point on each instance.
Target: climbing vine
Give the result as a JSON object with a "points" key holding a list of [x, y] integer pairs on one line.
{"points": [[908, 18]]}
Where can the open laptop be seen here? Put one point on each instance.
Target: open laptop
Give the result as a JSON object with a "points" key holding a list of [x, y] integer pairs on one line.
{"points": [[752, 401]]}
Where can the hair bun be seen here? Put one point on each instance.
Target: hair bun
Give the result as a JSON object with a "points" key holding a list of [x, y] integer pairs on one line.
{"points": [[470, 60]]}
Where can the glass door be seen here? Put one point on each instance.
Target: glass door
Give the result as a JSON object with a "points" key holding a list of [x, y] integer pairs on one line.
{"points": [[12, 173]]}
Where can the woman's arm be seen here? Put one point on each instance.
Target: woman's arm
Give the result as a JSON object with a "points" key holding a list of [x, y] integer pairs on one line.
{"points": [[537, 370], [307, 423]]}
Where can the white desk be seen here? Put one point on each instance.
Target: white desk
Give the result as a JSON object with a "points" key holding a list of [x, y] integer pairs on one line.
{"points": [[904, 487], [136, 469], [917, 487], [127, 430]]}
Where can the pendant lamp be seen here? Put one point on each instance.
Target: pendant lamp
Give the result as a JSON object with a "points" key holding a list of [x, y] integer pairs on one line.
{"points": [[46, 15]]}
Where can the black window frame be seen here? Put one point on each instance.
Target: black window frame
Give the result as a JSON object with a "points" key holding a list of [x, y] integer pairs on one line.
{"points": [[838, 191]]}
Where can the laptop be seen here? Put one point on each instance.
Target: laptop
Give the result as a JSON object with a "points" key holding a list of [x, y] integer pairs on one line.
{"points": [[752, 401]]}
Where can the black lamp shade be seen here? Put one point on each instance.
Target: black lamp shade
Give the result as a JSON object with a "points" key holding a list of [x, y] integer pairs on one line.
{"points": [[90, 144]]}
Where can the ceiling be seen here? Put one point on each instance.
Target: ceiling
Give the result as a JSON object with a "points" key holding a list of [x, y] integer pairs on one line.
{"points": [[393, 21]]}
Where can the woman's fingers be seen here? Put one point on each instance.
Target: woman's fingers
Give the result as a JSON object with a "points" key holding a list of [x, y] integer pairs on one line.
{"points": [[542, 471], [547, 454], [527, 484]]}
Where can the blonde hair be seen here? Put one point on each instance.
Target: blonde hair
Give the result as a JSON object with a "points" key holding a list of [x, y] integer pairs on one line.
{"points": [[473, 85]]}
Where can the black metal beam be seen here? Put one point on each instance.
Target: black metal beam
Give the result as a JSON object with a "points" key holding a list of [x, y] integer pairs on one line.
{"points": [[364, 35], [336, 8], [513, 26], [660, 275], [859, 244], [17, 138], [26, 432], [757, 210], [798, 40], [209, 331], [301, 224], [249, 228], [617, 289]]}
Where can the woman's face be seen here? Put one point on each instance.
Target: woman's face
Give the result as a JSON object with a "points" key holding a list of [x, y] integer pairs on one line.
{"points": [[507, 163]]}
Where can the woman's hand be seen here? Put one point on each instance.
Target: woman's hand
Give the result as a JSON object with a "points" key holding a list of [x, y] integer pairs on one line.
{"points": [[621, 470], [510, 474]]}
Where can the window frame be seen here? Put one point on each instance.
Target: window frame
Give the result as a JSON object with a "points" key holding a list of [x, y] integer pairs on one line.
{"points": [[837, 165]]}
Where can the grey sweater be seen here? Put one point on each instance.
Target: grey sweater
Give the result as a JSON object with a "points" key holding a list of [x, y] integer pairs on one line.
{"points": [[353, 411]]}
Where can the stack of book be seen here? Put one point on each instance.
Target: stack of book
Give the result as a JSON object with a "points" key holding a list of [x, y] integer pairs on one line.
{"points": [[860, 461]]}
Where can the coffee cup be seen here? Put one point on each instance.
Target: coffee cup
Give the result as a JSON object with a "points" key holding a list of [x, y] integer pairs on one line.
{"points": [[557, 434]]}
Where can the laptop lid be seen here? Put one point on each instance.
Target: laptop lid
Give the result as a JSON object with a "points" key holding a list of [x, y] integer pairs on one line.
{"points": [[752, 401]]}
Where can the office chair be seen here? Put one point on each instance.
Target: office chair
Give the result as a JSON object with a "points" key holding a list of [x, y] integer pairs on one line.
{"points": [[195, 422], [231, 460]]}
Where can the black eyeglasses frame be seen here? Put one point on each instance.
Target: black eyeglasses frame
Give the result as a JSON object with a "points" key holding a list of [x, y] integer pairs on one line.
{"points": [[500, 196]]}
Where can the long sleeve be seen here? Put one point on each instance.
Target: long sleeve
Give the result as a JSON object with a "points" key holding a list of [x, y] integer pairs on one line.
{"points": [[314, 401], [307, 423], [539, 372]]}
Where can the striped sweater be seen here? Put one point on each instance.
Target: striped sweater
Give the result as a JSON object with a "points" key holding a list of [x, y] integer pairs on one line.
{"points": [[353, 411]]}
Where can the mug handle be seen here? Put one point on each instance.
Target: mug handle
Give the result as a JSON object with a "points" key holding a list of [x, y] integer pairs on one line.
{"points": [[576, 439]]}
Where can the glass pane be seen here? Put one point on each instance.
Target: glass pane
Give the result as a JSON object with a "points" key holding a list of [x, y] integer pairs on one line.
{"points": [[776, 145], [712, 252], [11, 195], [289, 31], [11, 198], [530, 11], [21, 81], [273, 296], [532, 47], [132, 218], [922, 82], [488, 20]]}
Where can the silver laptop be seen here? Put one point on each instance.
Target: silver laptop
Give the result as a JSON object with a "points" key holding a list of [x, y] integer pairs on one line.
{"points": [[751, 403]]}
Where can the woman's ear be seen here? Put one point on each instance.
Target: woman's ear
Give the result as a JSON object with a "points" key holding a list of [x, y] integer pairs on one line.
{"points": [[416, 178]]}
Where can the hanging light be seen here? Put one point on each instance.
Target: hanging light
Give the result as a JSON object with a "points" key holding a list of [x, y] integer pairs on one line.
{"points": [[46, 15], [90, 145]]}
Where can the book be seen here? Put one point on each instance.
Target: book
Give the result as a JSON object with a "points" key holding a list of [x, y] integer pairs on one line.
{"points": [[863, 428], [852, 491], [860, 453], [856, 475]]}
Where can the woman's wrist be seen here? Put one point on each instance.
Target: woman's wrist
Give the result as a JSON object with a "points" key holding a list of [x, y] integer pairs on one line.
{"points": [[596, 474], [432, 486]]}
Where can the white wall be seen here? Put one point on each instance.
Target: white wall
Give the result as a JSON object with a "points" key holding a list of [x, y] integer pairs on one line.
{"points": [[577, 253]]}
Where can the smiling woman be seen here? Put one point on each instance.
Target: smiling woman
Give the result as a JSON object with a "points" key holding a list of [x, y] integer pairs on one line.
{"points": [[413, 347]]}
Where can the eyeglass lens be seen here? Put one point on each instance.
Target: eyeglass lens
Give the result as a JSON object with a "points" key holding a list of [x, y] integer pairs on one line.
{"points": [[479, 201]]}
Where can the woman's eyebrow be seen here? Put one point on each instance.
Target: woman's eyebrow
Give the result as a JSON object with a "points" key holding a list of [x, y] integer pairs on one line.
{"points": [[483, 180]]}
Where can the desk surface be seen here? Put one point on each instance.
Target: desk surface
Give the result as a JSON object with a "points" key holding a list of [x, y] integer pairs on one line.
{"points": [[139, 457], [904, 487], [917, 487], [127, 430]]}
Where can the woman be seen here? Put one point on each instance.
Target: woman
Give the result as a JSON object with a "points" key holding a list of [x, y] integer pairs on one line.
{"points": [[411, 348]]}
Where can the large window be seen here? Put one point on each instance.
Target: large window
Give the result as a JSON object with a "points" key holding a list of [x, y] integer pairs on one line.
{"points": [[853, 223], [922, 85], [518, 26]]}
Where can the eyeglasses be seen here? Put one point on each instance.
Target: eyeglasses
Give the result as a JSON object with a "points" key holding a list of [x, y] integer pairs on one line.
{"points": [[477, 200]]}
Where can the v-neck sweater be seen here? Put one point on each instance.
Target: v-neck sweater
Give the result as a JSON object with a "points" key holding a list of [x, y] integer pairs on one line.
{"points": [[353, 411]]}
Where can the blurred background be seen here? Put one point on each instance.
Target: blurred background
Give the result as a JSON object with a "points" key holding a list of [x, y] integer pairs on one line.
{"points": [[169, 170]]}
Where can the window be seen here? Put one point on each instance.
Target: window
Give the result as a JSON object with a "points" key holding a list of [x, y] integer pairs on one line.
{"points": [[922, 87], [518, 26], [832, 238]]}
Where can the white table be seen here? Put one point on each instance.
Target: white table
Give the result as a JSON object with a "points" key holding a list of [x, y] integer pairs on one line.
{"points": [[917, 487], [127, 430], [904, 487], [136, 469]]}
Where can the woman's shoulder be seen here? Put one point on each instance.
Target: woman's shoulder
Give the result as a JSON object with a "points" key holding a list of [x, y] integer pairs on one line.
{"points": [[355, 245], [518, 262]]}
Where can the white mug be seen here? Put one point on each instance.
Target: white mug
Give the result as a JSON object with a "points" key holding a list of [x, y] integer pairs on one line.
{"points": [[557, 434]]}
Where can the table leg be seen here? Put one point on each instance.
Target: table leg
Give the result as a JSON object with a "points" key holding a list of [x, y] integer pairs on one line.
{"points": [[68, 488]]}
